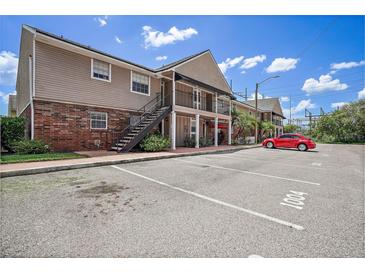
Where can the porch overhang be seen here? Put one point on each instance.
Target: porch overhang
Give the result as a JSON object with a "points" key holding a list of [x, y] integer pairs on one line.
{"points": [[181, 77]]}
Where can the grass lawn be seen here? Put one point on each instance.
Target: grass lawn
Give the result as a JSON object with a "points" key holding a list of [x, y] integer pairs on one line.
{"points": [[17, 158]]}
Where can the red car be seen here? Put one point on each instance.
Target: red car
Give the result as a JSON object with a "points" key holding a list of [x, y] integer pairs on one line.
{"points": [[290, 140]]}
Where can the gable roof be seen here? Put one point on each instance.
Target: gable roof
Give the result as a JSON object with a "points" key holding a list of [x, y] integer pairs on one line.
{"points": [[268, 104], [162, 68], [179, 62]]}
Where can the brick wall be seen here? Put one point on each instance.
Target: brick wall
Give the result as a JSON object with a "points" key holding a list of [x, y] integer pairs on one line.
{"points": [[66, 127]]}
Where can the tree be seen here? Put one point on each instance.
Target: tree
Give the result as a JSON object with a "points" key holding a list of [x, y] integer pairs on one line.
{"points": [[344, 125], [244, 123], [290, 128], [267, 127]]}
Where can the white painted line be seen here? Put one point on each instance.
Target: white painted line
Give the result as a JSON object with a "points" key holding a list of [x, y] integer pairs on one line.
{"points": [[250, 172], [257, 214], [316, 164], [256, 160], [254, 256]]}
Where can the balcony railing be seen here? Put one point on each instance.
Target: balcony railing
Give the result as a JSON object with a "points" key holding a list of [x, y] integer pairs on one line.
{"points": [[206, 102], [186, 99]]}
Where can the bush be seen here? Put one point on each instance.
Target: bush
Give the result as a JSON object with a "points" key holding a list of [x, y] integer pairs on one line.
{"points": [[29, 147], [154, 142], [205, 142], [189, 141], [12, 130]]}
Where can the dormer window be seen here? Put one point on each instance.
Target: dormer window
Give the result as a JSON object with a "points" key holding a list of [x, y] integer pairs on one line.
{"points": [[100, 70]]}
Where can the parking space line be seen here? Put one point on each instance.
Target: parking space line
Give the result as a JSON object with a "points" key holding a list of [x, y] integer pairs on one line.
{"points": [[248, 211], [250, 172], [266, 161]]}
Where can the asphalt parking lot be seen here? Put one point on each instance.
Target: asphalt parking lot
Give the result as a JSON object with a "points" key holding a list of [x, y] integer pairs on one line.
{"points": [[269, 203]]}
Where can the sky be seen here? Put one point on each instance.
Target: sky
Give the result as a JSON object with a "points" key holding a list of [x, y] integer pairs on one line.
{"points": [[319, 59]]}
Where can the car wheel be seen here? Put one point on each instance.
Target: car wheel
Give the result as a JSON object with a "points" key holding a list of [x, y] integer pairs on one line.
{"points": [[302, 147], [269, 145]]}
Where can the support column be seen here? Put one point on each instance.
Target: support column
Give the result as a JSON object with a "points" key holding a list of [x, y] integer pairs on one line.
{"points": [[229, 132], [173, 130], [163, 127], [173, 114], [197, 130], [216, 131]]}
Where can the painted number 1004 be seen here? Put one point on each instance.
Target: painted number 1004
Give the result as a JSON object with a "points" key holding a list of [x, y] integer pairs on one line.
{"points": [[294, 199]]}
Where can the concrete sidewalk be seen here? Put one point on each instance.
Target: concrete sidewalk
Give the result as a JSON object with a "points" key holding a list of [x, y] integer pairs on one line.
{"points": [[8, 170]]}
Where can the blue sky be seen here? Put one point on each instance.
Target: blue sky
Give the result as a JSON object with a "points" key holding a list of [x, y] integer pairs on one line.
{"points": [[320, 59]]}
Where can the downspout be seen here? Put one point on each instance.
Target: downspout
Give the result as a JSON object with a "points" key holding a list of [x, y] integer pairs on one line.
{"points": [[32, 88]]}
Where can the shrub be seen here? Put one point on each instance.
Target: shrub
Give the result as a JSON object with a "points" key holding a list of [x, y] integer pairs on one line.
{"points": [[12, 130], [205, 142], [29, 147], [154, 142], [189, 141]]}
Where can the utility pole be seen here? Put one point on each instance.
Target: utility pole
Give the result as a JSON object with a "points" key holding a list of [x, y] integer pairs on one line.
{"points": [[256, 93], [289, 109]]}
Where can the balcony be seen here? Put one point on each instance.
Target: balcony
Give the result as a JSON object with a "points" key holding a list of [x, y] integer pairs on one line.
{"points": [[204, 101]]}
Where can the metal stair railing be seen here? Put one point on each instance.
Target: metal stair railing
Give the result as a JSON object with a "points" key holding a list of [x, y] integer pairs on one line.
{"points": [[146, 111]]}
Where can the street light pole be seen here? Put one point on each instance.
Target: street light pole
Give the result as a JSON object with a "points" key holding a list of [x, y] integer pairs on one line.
{"points": [[256, 95]]}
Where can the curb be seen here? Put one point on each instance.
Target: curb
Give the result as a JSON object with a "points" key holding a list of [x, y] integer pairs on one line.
{"points": [[13, 173]]}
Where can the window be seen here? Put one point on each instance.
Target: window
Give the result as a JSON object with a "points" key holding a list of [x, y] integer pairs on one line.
{"points": [[140, 83], [100, 70], [284, 136], [192, 128], [98, 120]]}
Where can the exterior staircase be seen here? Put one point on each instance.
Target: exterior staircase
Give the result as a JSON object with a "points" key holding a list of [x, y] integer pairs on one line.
{"points": [[152, 114]]}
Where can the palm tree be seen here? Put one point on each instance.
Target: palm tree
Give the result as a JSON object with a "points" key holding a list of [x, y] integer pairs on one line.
{"points": [[267, 127], [245, 123]]}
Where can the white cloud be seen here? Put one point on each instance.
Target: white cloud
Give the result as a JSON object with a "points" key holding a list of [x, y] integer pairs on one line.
{"points": [[155, 38], [5, 96], [284, 99], [259, 96], [117, 39], [103, 21], [345, 65], [361, 94], [338, 104], [252, 62], [325, 82], [229, 63], [161, 58], [302, 105], [282, 64], [8, 68]]}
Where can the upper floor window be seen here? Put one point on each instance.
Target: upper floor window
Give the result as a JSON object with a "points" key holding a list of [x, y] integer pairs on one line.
{"points": [[100, 70], [98, 120], [140, 83]]}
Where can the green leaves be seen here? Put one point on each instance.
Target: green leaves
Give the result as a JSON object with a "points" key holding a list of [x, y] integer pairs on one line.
{"points": [[154, 142], [344, 125], [12, 130]]}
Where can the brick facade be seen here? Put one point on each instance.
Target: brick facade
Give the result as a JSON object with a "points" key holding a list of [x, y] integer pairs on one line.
{"points": [[66, 127]]}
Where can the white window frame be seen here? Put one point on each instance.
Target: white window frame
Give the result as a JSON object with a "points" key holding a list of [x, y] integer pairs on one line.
{"points": [[149, 84], [92, 71], [106, 122]]}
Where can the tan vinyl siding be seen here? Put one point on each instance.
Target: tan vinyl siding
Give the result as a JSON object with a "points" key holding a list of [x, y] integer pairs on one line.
{"points": [[204, 69], [66, 76], [22, 84]]}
